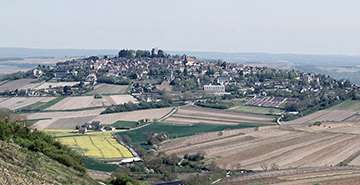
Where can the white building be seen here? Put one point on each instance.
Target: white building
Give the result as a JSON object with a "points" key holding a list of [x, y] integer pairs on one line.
{"points": [[214, 89]]}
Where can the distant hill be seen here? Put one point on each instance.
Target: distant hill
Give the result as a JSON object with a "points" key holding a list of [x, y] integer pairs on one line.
{"points": [[56, 53], [317, 60], [337, 66]]}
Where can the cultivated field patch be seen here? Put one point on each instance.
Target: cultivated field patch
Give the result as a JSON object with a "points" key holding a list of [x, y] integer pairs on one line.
{"points": [[109, 89], [55, 84], [69, 119], [73, 118], [269, 146], [330, 115], [151, 114], [21, 84], [69, 123], [239, 106], [138, 136], [93, 144], [79, 102], [194, 115], [19, 102], [268, 101]]}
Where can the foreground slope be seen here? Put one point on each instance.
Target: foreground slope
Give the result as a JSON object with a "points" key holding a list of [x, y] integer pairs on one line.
{"points": [[34, 157]]}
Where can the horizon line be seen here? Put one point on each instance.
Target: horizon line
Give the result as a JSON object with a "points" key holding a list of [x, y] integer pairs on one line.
{"points": [[197, 51]]}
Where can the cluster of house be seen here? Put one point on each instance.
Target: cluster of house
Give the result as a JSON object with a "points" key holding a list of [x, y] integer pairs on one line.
{"points": [[214, 77], [95, 125]]}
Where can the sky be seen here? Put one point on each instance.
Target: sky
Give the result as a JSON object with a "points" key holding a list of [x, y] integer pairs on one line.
{"points": [[272, 26]]}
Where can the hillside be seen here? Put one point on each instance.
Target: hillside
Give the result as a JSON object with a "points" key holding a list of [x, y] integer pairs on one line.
{"points": [[34, 157], [21, 166]]}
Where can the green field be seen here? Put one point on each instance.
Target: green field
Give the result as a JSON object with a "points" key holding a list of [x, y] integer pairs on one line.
{"points": [[93, 164], [138, 136], [351, 105], [124, 124], [109, 89], [240, 107]]}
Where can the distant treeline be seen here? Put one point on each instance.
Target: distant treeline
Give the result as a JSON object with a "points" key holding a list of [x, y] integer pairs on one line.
{"points": [[141, 53], [111, 80], [215, 104], [140, 106], [309, 104]]}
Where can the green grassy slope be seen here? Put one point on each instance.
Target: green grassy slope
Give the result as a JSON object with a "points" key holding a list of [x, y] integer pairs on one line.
{"points": [[22, 166], [351, 105]]}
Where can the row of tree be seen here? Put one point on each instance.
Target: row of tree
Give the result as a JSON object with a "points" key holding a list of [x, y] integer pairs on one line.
{"points": [[141, 53], [140, 106]]}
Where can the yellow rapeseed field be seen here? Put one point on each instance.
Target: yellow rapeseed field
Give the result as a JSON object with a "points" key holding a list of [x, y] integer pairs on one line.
{"points": [[92, 144]]}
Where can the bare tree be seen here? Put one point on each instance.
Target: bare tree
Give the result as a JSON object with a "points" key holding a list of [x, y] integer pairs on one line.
{"points": [[274, 166], [264, 166]]}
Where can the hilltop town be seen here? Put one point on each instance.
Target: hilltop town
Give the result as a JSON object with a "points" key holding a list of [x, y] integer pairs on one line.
{"points": [[156, 76], [158, 117]]}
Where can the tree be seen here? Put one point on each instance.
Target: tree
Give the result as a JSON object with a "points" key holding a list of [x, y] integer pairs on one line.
{"points": [[142, 53], [67, 89], [81, 84], [122, 179], [186, 72], [264, 166], [127, 53], [161, 53], [127, 139]]}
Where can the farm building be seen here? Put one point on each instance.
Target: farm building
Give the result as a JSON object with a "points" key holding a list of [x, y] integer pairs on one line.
{"points": [[130, 160], [82, 130]]}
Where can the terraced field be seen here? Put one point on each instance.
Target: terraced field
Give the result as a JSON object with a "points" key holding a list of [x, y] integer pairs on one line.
{"points": [[20, 102], [93, 144], [109, 89], [28, 83], [338, 175], [21, 84], [266, 146], [345, 111], [69, 119], [194, 115], [324, 115]]}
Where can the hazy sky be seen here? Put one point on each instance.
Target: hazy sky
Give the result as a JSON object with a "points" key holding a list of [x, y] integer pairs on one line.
{"points": [[275, 26]]}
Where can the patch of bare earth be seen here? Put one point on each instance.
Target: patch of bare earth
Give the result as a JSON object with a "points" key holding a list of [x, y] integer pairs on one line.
{"points": [[271, 146], [193, 115], [323, 115]]}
